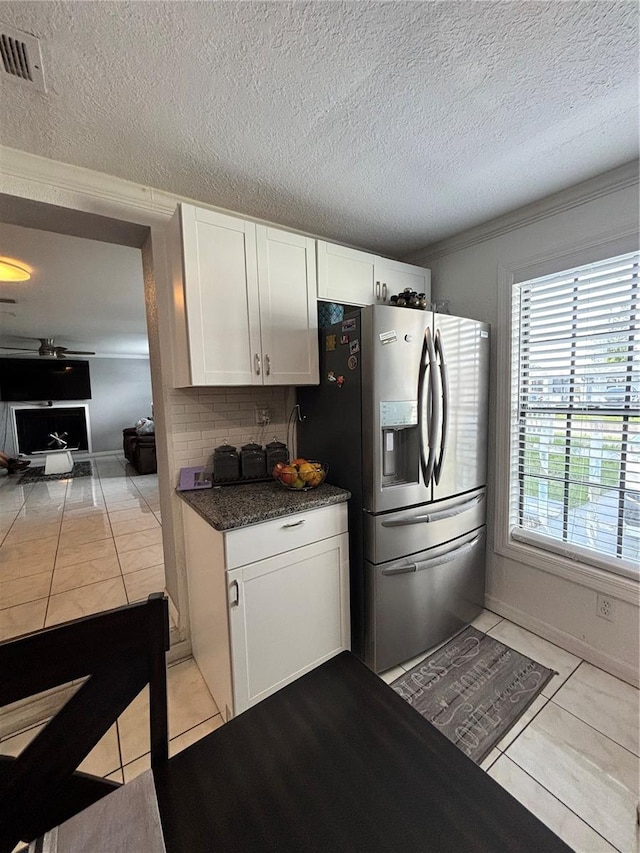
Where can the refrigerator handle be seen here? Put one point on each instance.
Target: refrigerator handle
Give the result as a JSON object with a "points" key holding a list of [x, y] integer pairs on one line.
{"points": [[440, 515], [449, 557], [422, 411], [444, 380], [435, 400]]}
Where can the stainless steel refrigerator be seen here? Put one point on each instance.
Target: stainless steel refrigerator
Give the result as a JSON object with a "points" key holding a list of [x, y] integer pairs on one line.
{"points": [[401, 415]]}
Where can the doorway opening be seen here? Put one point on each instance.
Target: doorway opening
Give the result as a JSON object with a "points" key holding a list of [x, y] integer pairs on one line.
{"points": [[87, 540]]}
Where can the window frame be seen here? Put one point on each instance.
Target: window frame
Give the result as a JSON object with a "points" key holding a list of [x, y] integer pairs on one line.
{"points": [[584, 568]]}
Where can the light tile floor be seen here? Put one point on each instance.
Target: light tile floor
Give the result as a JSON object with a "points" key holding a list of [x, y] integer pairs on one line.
{"points": [[573, 758], [73, 547]]}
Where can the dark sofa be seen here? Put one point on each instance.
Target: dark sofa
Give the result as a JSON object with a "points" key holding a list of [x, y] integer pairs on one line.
{"points": [[140, 450]]}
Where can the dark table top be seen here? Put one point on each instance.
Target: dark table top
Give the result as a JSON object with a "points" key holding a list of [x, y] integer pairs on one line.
{"points": [[337, 761]]}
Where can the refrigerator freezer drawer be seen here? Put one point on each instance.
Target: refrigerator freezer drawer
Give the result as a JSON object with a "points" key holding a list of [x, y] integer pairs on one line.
{"points": [[417, 602], [408, 531]]}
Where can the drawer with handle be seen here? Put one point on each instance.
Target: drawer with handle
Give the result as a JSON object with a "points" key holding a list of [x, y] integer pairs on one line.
{"points": [[259, 541], [391, 535]]}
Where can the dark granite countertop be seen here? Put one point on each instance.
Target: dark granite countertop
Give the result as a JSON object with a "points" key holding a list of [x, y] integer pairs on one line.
{"points": [[229, 507]]}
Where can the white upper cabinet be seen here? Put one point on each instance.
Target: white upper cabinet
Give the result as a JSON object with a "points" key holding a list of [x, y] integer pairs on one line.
{"points": [[287, 290], [221, 297], [395, 276], [359, 278], [345, 275], [244, 300]]}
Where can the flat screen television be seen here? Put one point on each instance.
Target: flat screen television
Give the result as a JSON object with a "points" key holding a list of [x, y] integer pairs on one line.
{"points": [[27, 380]]}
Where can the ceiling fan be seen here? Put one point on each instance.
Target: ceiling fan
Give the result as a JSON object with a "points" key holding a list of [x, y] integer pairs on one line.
{"points": [[48, 348]]}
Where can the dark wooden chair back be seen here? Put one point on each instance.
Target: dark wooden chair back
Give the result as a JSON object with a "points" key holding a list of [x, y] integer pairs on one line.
{"points": [[119, 652]]}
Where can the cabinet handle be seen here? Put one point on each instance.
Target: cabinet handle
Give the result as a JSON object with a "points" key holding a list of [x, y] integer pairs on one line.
{"points": [[267, 364], [295, 523], [258, 363], [235, 586], [384, 291], [378, 290]]}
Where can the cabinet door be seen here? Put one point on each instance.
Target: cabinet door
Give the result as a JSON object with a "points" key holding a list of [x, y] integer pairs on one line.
{"points": [[345, 275], [287, 615], [208, 614], [394, 276], [221, 296], [288, 315]]}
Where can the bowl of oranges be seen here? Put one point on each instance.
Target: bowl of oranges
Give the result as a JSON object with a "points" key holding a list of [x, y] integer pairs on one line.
{"points": [[301, 474]]}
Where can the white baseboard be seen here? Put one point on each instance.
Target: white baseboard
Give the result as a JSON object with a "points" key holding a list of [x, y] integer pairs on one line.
{"points": [[566, 641], [90, 454], [180, 649], [180, 645], [173, 610]]}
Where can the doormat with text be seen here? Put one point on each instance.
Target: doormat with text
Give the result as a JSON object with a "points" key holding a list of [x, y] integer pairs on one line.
{"points": [[37, 475], [473, 689]]}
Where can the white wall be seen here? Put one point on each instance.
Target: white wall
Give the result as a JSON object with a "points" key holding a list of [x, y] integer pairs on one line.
{"points": [[473, 271], [120, 395]]}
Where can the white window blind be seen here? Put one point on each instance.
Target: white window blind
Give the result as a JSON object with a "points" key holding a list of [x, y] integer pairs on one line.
{"points": [[575, 431]]}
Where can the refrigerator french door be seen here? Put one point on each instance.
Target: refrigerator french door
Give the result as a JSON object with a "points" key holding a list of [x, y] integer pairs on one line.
{"points": [[425, 395], [401, 417]]}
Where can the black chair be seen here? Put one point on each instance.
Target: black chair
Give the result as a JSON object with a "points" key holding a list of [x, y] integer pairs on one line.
{"points": [[120, 651]]}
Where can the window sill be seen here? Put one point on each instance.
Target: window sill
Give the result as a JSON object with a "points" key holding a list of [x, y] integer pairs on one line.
{"points": [[575, 570]]}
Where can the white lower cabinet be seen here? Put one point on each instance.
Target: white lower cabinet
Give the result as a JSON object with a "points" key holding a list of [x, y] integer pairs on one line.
{"points": [[287, 615], [260, 625]]}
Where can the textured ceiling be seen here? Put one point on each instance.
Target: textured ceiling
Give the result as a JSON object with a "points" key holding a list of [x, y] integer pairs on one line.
{"points": [[381, 124]]}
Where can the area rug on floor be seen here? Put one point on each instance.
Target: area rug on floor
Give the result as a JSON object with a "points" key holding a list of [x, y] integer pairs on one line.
{"points": [[37, 475], [473, 689]]}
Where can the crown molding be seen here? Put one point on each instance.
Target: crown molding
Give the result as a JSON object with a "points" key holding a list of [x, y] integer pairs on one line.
{"points": [[627, 175], [22, 173], [19, 167], [31, 176]]}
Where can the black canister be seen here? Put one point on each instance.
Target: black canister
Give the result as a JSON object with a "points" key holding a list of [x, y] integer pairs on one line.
{"points": [[226, 464], [276, 452], [253, 461]]}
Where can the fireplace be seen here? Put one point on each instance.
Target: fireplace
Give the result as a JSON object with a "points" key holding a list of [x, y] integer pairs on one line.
{"points": [[34, 427]]}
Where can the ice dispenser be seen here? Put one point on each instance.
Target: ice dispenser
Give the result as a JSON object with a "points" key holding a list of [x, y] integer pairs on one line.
{"points": [[399, 442]]}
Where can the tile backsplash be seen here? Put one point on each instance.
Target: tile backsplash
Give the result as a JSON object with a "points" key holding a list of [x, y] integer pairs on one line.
{"points": [[203, 418]]}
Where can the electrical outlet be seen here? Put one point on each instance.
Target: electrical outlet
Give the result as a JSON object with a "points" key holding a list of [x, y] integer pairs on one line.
{"points": [[263, 415], [606, 608]]}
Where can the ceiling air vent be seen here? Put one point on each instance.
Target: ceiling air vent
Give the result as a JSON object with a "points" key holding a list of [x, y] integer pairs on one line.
{"points": [[21, 57]]}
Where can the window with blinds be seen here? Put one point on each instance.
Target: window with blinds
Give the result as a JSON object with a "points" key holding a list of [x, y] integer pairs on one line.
{"points": [[575, 431]]}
